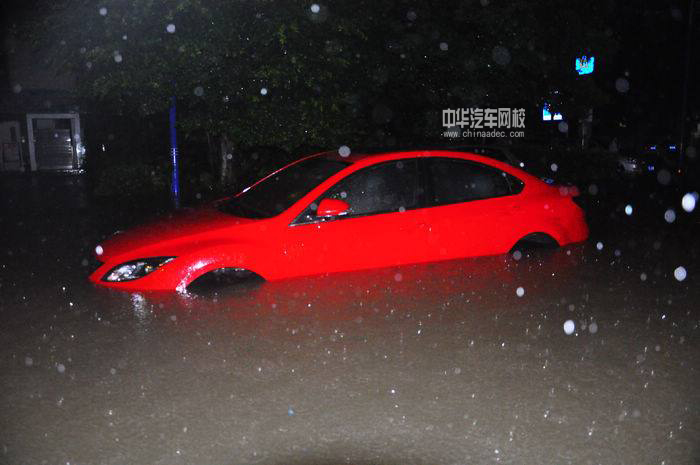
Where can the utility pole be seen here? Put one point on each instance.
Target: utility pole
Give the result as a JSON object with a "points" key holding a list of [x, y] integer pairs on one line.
{"points": [[686, 76]]}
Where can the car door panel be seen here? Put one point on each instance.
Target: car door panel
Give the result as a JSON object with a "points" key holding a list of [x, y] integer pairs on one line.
{"points": [[479, 227], [357, 243]]}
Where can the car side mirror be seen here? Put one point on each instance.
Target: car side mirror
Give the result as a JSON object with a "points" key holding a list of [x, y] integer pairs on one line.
{"points": [[332, 207]]}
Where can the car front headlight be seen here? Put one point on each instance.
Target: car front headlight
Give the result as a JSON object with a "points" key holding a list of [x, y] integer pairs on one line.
{"points": [[135, 269]]}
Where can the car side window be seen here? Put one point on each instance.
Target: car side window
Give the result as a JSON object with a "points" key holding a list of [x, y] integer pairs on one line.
{"points": [[456, 181], [384, 188]]}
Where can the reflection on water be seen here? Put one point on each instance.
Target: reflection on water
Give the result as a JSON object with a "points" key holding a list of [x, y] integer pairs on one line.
{"points": [[492, 281]]}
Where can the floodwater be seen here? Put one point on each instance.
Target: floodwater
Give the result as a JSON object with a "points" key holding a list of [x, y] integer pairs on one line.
{"points": [[465, 362]]}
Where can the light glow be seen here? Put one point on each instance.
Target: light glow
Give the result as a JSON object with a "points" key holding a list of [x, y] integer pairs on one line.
{"points": [[585, 65]]}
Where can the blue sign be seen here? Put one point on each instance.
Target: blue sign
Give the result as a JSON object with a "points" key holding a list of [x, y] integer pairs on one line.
{"points": [[585, 65], [547, 114]]}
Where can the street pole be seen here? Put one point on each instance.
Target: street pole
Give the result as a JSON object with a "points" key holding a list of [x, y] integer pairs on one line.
{"points": [[175, 182], [684, 103]]}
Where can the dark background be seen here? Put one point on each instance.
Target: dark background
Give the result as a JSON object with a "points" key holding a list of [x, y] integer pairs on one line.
{"points": [[645, 44]]}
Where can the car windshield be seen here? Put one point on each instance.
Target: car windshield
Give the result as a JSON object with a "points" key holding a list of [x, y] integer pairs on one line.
{"points": [[276, 193]]}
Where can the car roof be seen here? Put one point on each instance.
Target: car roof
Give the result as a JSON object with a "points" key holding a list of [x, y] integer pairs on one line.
{"points": [[360, 155], [387, 155]]}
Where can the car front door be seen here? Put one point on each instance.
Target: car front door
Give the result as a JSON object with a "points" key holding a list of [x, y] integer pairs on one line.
{"points": [[382, 226]]}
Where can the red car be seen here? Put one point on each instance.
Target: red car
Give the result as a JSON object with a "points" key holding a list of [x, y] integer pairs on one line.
{"points": [[328, 213]]}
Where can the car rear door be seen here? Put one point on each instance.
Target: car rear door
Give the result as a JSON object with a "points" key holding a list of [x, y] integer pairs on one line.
{"points": [[473, 210], [382, 227]]}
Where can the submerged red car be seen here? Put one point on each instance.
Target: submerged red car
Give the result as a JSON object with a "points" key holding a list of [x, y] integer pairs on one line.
{"points": [[328, 213]]}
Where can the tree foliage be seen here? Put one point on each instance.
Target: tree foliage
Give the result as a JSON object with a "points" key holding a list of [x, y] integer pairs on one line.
{"points": [[290, 73]]}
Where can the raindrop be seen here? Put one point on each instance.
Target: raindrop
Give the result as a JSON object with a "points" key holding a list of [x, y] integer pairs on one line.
{"points": [[517, 255], [263, 91], [643, 276], [484, 2], [99, 250], [61, 368], [569, 327], [344, 151], [398, 277], [593, 328], [411, 16], [688, 202], [520, 292], [599, 245], [563, 126], [691, 152], [290, 412], [315, 8], [628, 210], [170, 28], [593, 189], [17, 88], [117, 57], [622, 85], [664, 177], [500, 54], [199, 91], [28, 361], [103, 11], [444, 46], [670, 215], [554, 167], [680, 274]]}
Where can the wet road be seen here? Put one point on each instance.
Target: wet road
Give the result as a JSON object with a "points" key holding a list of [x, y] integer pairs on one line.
{"points": [[438, 364]]}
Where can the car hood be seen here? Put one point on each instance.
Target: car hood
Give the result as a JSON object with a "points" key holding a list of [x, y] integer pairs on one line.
{"points": [[181, 226]]}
